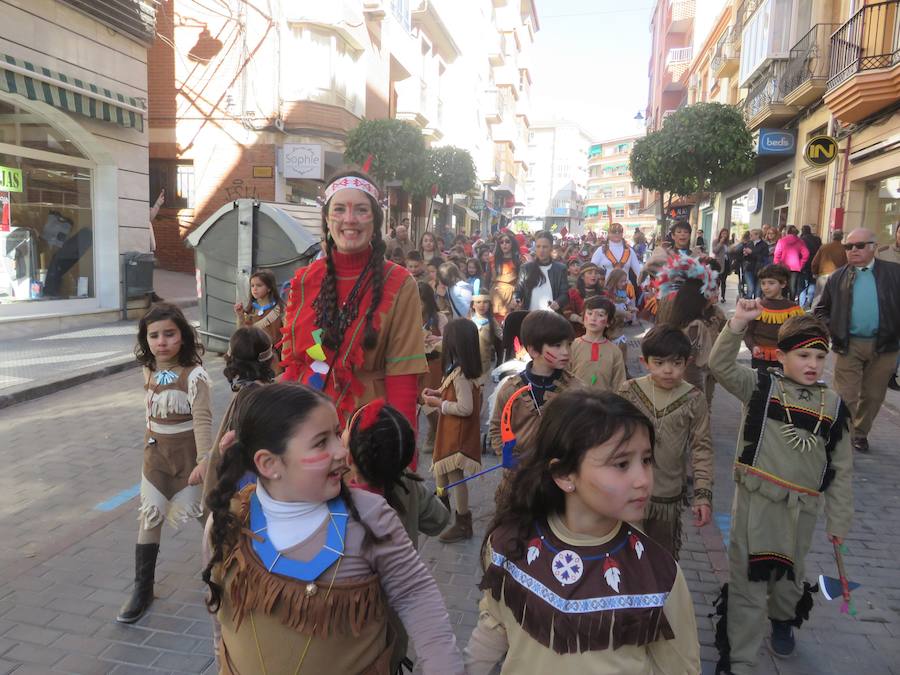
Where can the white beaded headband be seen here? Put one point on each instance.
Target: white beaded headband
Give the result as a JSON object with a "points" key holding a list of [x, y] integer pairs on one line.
{"points": [[351, 182]]}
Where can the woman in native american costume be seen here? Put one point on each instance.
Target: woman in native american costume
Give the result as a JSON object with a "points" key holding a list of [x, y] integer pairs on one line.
{"points": [[353, 325]]}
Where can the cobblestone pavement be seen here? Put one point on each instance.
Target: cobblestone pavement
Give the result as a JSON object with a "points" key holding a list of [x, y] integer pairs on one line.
{"points": [[67, 520]]}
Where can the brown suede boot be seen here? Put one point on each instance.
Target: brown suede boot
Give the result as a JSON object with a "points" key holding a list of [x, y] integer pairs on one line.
{"points": [[460, 530]]}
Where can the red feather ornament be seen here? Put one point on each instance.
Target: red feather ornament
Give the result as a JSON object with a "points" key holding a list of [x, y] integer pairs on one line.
{"points": [[370, 412], [368, 163]]}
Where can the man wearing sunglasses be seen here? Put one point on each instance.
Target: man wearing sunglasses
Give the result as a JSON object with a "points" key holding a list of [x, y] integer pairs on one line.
{"points": [[861, 305]]}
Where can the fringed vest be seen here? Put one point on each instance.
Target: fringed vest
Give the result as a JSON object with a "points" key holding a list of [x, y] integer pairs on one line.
{"points": [[579, 599], [272, 617]]}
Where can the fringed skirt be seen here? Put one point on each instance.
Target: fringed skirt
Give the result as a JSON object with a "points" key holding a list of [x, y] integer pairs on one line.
{"points": [[165, 493]]}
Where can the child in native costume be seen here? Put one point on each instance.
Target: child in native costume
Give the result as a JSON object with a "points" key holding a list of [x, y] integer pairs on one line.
{"points": [[177, 439], [381, 444], [249, 363], [301, 569], [264, 309], [590, 282], [685, 285], [793, 453], [761, 336], [457, 448], [433, 324], [571, 585], [595, 360], [489, 335], [680, 417], [547, 337]]}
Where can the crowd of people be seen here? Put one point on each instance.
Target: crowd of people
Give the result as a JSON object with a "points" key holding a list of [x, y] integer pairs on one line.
{"points": [[311, 491]]}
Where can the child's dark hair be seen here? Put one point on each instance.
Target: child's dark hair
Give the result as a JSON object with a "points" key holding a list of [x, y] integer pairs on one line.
{"points": [[429, 304], [448, 274], [477, 263], [804, 324], [545, 328], [779, 273], [460, 348], [413, 256], [664, 341], [382, 451], [600, 302], [689, 304], [268, 278], [574, 422], [242, 361], [191, 347], [268, 417]]}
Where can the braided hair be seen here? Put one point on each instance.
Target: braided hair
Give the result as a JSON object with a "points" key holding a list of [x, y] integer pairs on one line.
{"points": [[329, 318], [382, 449], [267, 417]]}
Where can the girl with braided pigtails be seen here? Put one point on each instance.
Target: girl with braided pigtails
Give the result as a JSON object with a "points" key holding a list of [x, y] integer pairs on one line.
{"points": [[352, 328], [302, 569]]}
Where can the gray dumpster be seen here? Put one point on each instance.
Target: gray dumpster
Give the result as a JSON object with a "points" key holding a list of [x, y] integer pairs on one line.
{"points": [[239, 238]]}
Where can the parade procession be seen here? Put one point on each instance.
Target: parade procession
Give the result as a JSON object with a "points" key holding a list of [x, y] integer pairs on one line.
{"points": [[450, 337]]}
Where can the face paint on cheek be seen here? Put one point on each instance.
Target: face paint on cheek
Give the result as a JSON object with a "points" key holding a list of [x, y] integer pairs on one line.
{"points": [[320, 460], [550, 358]]}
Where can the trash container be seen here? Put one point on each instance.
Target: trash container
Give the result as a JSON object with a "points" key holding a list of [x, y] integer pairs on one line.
{"points": [[241, 237], [137, 274]]}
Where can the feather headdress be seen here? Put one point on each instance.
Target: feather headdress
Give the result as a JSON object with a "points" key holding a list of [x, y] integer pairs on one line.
{"points": [[679, 269]]}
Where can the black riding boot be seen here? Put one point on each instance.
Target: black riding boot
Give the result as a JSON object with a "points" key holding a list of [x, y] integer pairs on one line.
{"points": [[142, 593]]}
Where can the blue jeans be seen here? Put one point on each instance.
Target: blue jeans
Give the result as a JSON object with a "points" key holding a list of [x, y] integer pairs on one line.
{"points": [[752, 283], [808, 289]]}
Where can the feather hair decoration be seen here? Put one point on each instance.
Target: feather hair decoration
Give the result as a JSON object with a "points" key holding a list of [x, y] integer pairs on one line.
{"points": [[679, 269], [367, 165], [370, 412]]}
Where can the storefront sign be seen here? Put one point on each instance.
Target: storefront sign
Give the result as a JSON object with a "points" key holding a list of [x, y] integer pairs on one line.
{"points": [[821, 151], [681, 212], [754, 200], [303, 161], [10, 179], [775, 142]]}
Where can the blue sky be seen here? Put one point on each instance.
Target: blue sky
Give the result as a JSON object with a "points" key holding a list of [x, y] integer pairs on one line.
{"points": [[590, 63]]}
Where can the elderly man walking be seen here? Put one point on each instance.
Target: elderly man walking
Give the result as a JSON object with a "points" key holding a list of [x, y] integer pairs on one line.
{"points": [[860, 306]]}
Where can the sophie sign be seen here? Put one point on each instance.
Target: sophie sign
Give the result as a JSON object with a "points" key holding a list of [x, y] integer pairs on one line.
{"points": [[302, 160]]}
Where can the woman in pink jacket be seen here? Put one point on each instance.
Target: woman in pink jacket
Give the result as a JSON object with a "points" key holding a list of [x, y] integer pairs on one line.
{"points": [[791, 252]]}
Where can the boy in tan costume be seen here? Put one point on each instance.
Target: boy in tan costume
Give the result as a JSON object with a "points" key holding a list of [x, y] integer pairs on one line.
{"points": [[793, 454]]}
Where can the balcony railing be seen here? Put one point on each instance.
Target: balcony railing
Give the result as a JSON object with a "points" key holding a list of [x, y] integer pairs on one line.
{"points": [[868, 41], [680, 55], [766, 89], [808, 59], [745, 11]]}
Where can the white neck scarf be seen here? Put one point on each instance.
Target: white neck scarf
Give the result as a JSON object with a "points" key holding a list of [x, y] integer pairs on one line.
{"points": [[289, 523]]}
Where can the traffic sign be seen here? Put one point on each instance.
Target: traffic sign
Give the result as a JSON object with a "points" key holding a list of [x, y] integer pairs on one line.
{"points": [[821, 151]]}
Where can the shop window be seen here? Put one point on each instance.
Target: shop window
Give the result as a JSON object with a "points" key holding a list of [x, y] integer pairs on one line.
{"points": [[882, 208], [176, 177], [46, 230]]}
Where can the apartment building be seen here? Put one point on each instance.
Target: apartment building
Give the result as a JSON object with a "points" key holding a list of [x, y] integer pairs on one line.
{"points": [[612, 196], [257, 101], [557, 175], [73, 157]]}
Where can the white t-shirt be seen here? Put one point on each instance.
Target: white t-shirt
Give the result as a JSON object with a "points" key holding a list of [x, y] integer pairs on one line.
{"points": [[542, 296]]}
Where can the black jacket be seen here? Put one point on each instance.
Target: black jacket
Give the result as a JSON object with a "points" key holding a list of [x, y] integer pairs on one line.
{"points": [[757, 258], [837, 298], [813, 244], [559, 284]]}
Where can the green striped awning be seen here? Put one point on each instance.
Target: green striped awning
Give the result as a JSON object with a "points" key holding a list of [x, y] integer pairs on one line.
{"points": [[70, 93]]}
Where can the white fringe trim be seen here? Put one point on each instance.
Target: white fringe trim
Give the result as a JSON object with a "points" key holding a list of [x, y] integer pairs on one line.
{"points": [[155, 508], [198, 374], [456, 461], [170, 402]]}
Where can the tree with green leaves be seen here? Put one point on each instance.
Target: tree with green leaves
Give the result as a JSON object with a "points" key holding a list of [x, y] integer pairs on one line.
{"points": [[701, 148], [397, 149], [453, 172]]}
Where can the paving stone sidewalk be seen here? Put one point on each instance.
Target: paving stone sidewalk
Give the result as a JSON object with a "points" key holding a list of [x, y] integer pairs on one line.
{"points": [[67, 564]]}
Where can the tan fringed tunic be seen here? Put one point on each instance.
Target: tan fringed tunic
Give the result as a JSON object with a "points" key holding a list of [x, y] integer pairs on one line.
{"points": [[597, 364], [178, 435], [274, 616], [638, 621]]}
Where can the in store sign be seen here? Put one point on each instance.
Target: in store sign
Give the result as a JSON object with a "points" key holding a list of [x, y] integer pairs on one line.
{"points": [[10, 179]]}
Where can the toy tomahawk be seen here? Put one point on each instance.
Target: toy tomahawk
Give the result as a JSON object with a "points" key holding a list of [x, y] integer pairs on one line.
{"points": [[832, 588], [507, 459]]}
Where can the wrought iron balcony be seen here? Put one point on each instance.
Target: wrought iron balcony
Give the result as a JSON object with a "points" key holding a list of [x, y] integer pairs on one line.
{"points": [[806, 72], [870, 40], [726, 59], [745, 11], [765, 102]]}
